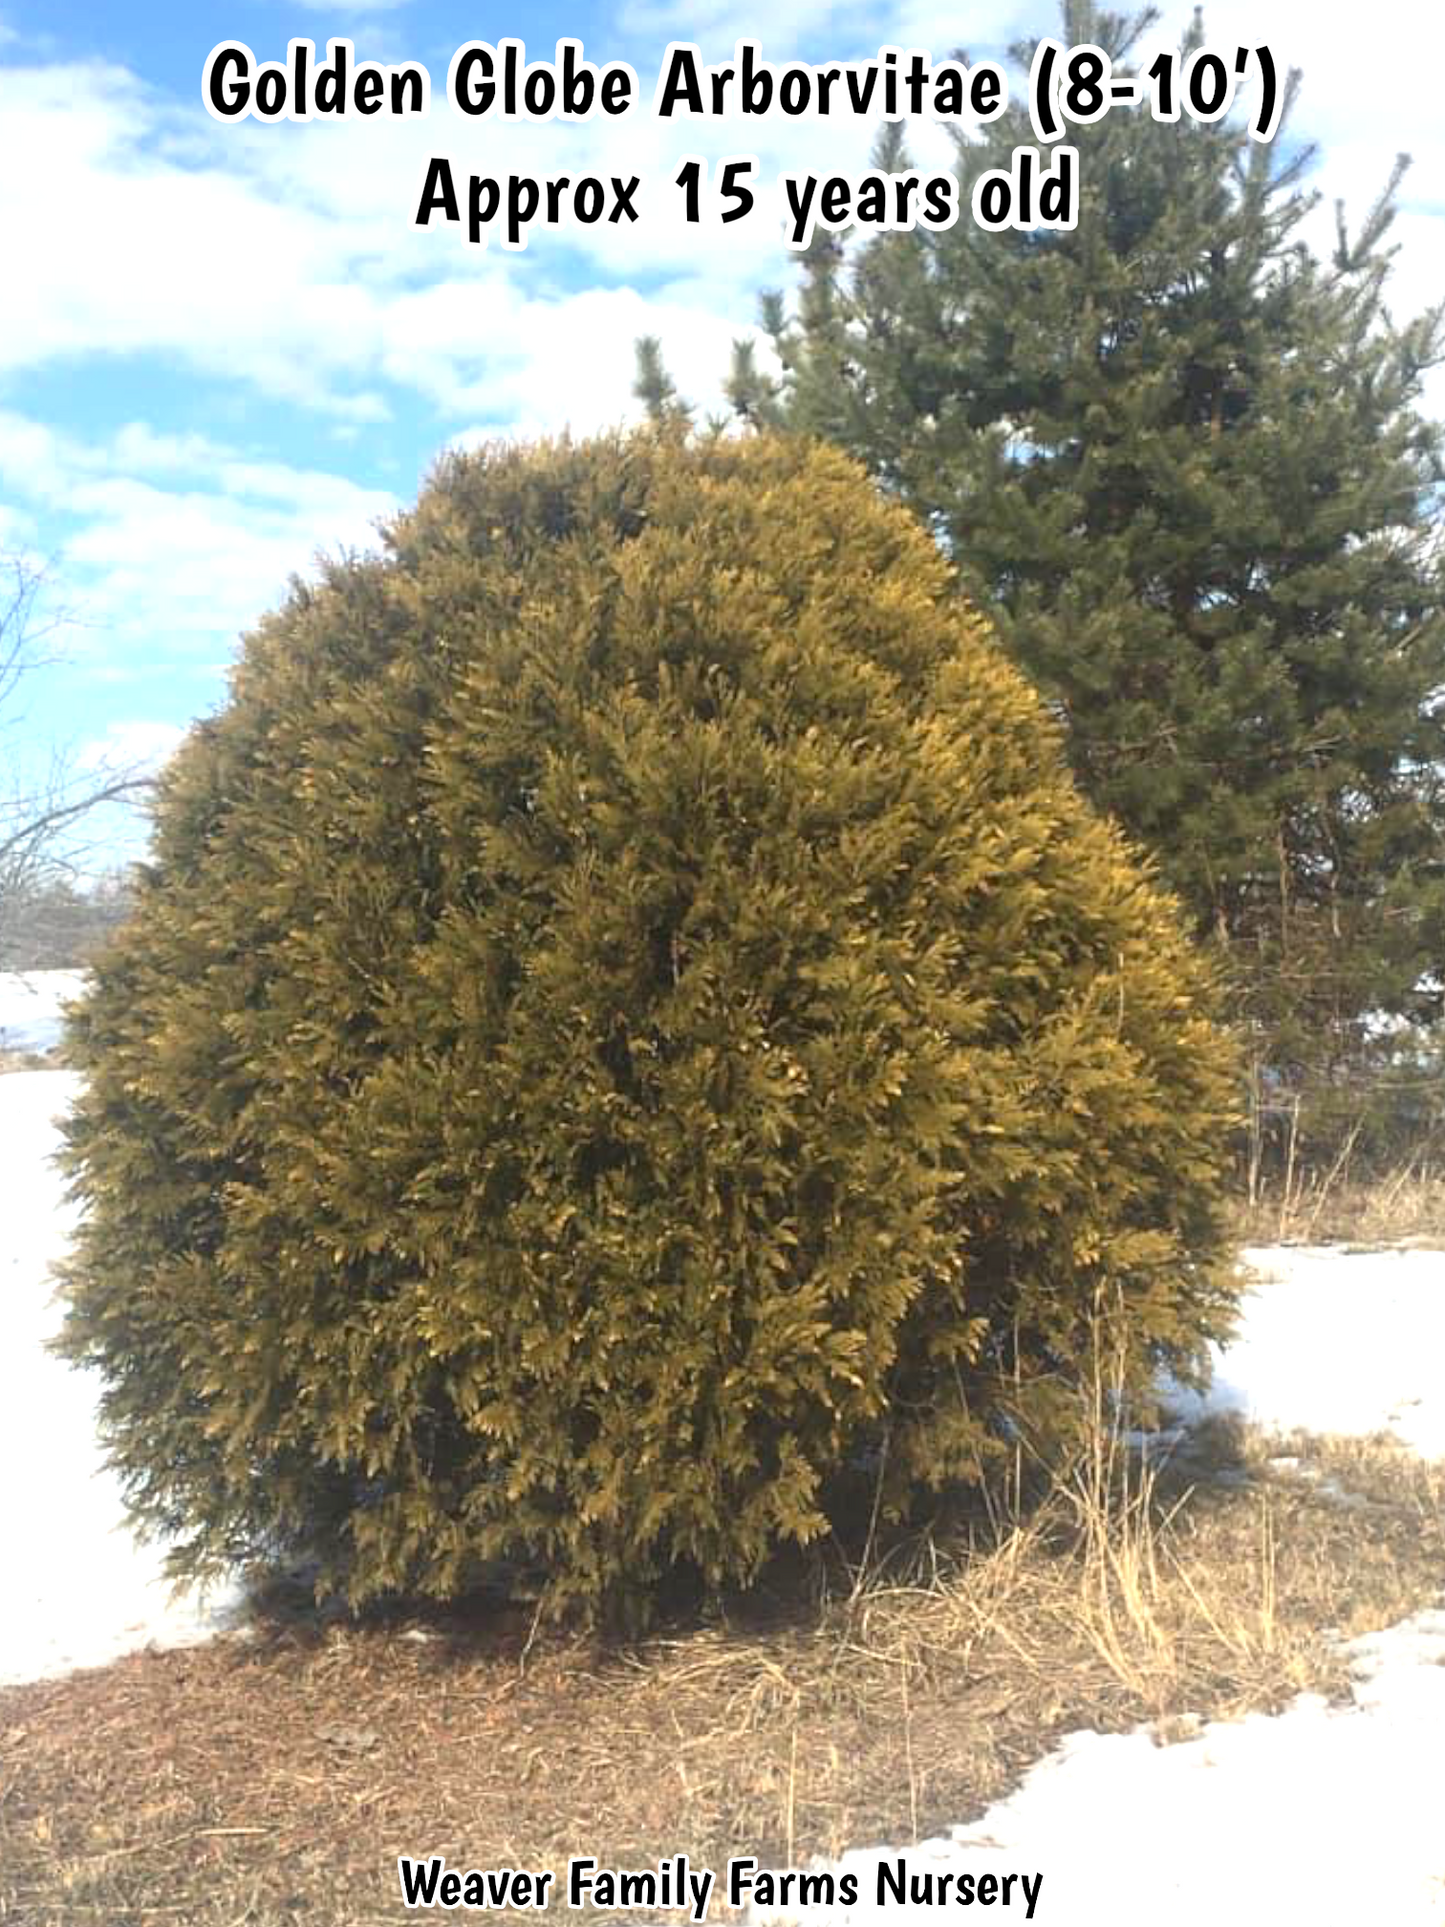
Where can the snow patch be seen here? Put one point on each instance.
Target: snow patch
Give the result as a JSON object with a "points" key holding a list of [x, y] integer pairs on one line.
{"points": [[1332, 1340], [1329, 1814], [78, 1590]]}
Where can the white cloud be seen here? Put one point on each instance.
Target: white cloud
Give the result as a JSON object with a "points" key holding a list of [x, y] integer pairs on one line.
{"points": [[139, 448], [782, 27], [136, 747], [548, 363], [549, 385], [178, 541], [286, 259], [161, 257], [194, 564]]}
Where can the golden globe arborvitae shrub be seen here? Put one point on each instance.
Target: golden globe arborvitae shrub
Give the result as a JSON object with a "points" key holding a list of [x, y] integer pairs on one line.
{"points": [[626, 1013]]}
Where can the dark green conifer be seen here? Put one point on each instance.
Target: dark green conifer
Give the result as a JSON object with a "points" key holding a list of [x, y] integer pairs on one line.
{"points": [[654, 387], [1179, 460], [626, 1012]]}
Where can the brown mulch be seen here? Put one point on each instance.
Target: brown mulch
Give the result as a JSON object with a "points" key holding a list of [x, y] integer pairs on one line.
{"points": [[280, 1771]]}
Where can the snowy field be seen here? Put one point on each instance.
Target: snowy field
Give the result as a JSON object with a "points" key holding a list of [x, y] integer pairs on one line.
{"points": [[81, 1592], [1326, 1815], [1338, 1341], [30, 1007]]}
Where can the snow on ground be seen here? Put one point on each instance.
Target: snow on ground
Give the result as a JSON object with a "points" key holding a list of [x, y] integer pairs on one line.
{"points": [[1329, 1815], [1338, 1341], [1326, 1815], [30, 1006], [77, 1590]]}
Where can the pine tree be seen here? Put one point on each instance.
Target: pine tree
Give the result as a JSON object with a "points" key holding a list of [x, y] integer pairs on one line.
{"points": [[1179, 460], [655, 388], [628, 1013]]}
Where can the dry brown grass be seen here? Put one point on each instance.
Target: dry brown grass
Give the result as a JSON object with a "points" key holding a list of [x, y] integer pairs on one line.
{"points": [[1404, 1206], [246, 1784]]}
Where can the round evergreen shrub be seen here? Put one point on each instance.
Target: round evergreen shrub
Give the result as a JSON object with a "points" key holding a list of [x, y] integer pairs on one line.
{"points": [[625, 1017]]}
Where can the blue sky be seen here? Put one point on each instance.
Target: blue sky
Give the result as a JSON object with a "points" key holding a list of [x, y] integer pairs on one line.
{"points": [[224, 346]]}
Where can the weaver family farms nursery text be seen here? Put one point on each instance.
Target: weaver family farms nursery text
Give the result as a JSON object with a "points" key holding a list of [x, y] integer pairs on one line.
{"points": [[674, 1884]]}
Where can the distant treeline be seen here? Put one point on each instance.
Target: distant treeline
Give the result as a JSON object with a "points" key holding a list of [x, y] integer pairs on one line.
{"points": [[57, 925]]}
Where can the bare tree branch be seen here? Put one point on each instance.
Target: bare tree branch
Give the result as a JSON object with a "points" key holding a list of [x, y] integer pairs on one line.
{"points": [[40, 811]]}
